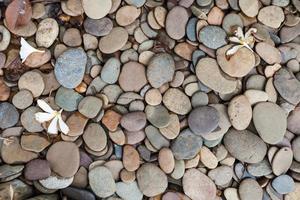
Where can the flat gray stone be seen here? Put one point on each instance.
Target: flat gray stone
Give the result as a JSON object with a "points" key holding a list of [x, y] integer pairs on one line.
{"points": [[111, 70], [212, 36], [129, 191], [9, 115], [283, 184]]}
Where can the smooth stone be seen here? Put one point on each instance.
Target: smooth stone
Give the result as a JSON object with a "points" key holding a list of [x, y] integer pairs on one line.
{"points": [[32, 81], [267, 17], [250, 189], [256, 82], [245, 146], [231, 194], [283, 184], [249, 7], [151, 180], [28, 120], [198, 186], [212, 37], [102, 182], [191, 29], [96, 9], [50, 83], [132, 77], [256, 96], [262, 168], [131, 158], [111, 70], [134, 121], [63, 158], [239, 64], [129, 191], [67, 99], [78, 194], [156, 138], [166, 160], [114, 41], [270, 122], [37, 59], [268, 53], [207, 158], [34, 142], [10, 172], [12, 152], [98, 27], [95, 137], [126, 15], [295, 148], [111, 120], [176, 21], [187, 145], [76, 123], [179, 169], [47, 32], [210, 74], [287, 86], [177, 101], [160, 70], [158, 116], [72, 37], [203, 120], [240, 112], [9, 115], [221, 175], [55, 182], [15, 189], [282, 161], [70, 67], [230, 21], [288, 34], [90, 106], [37, 169], [22, 99], [172, 130], [80, 178]]}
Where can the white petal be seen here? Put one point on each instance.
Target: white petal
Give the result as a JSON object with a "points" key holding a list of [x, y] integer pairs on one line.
{"points": [[250, 32], [234, 39], [43, 105], [26, 50], [63, 126], [233, 50], [239, 33], [52, 128], [43, 117], [248, 47]]}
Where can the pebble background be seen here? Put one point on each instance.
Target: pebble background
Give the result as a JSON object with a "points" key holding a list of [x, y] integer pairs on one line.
{"points": [[156, 107]]}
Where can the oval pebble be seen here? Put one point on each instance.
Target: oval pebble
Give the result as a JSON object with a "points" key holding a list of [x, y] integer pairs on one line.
{"points": [[176, 101], [47, 32], [133, 121], [176, 21], [267, 17], [250, 189], [114, 41], [158, 116], [127, 15], [282, 161], [212, 36], [131, 158], [22, 99], [249, 7], [95, 137], [98, 27], [283, 184], [32, 81], [96, 9], [166, 160]]}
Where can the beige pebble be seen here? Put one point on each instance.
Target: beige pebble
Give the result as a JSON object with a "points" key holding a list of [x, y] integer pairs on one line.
{"points": [[96, 9], [282, 161], [160, 14], [114, 41], [215, 16], [255, 96], [131, 158], [127, 15], [153, 97], [166, 160], [208, 158]]}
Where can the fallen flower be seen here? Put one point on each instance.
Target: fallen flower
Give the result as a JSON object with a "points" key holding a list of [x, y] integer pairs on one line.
{"points": [[26, 50], [242, 40], [53, 115]]}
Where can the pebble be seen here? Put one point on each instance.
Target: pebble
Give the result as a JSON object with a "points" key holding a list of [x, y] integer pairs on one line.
{"points": [[47, 32], [90, 106], [295, 148], [287, 86], [256, 96], [72, 37], [207, 158], [64, 158], [9, 172], [131, 158], [245, 146], [172, 130], [176, 21], [215, 16], [151, 180], [250, 189], [67, 99], [129, 191], [19, 189], [110, 71], [203, 120], [268, 53], [176, 101], [160, 70], [282, 161], [210, 74], [133, 121], [98, 27], [240, 112], [70, 67], [267, 17], [37, 169], [9, 115], [288, 34], [127, 15], [114, 41], [239, 64], [186, 145], [32, 81], [34, 142], [198, 186], [155, 138], [132, 77], [230, 21], [221, 175], [270, 122], [96, 9], [95, 137], [111, 120], [283, 184], [55, 182], [249, 7], [28, 120], [212, 37], [22, 99], [166, 160], [158, 116]]}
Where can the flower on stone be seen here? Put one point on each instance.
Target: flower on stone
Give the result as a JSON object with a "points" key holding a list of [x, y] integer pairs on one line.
{"points": [[241, 40], [26, 50], [50, 114]]}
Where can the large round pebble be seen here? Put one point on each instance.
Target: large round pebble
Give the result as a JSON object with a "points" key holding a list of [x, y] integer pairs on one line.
{"points": [[114, 41], [176, 21], [271, 16], [250, 189], [213, 37], [96, 9], [177, 101], [133, 121], [32, 81]]}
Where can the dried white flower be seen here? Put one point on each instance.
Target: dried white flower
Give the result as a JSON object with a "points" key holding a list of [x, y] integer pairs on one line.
{"points": [[27, 49], [242, 40], [53, 115]]}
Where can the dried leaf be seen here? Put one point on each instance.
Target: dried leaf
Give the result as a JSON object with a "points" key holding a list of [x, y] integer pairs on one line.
{"points": [[26, 50], [18, 13]]}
